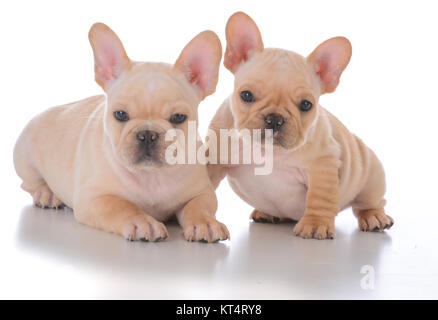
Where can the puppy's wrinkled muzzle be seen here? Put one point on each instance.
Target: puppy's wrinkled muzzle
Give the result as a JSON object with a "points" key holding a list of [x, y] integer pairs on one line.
{"points": [[280, 131], [274, 122], [147, 145], [148, 138]]}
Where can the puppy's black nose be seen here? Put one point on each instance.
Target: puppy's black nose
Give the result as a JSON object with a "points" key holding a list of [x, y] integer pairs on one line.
{"points": [[274, 121], [148, 137]]}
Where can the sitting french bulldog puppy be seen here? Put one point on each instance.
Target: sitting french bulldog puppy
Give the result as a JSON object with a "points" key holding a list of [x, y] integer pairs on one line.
{"points": [[319, 167], [105, 156]]}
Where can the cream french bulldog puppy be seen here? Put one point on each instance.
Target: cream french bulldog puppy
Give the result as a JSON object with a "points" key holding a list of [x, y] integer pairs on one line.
{"points": [[105, 156], [319, 167]]}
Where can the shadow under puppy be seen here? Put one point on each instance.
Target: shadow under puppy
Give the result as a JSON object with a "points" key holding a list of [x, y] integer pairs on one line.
{"points": [[105, 156], [319, 167]]}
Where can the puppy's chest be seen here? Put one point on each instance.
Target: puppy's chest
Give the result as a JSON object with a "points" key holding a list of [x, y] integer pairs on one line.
{"points": [[160, 197], [281, 193]]}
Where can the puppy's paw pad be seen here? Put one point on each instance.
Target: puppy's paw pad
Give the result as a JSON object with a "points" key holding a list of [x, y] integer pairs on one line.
{"points": [[206, 229], [144, 228], [259, 216], [315, 228], [43, 197], [374, 220]]}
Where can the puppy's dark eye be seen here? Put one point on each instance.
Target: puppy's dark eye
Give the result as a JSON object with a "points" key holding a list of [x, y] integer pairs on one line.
{"points": [[121, 116], [305, 105], [178, 118], [247, 96]]}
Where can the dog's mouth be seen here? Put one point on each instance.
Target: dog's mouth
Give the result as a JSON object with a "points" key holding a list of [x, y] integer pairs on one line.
{"points": [[278, 139], [281, 132], [147, 157], [149, 161]]}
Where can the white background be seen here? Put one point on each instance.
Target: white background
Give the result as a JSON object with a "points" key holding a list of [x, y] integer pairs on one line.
{"points": [[387, 96]]}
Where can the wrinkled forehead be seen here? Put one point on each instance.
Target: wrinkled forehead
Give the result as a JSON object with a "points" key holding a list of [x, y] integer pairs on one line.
{"points": [[150, 85], [278, 68]]}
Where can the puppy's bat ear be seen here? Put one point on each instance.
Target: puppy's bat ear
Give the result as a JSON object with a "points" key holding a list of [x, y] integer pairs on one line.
{"points": [[110, 58], [243, 40], [200, 60], [329, 60]]}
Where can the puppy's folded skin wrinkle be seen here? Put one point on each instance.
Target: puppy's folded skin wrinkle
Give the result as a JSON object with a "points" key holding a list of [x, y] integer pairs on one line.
{"points": [[104, 156], [319, 167]]}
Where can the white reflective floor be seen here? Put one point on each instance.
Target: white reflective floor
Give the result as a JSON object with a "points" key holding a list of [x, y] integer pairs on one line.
{"points": [[46, 254]]}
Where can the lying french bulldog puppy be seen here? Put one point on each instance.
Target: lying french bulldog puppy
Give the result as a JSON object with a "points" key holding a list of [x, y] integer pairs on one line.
{"points": [[105, 156], [319, 167]]}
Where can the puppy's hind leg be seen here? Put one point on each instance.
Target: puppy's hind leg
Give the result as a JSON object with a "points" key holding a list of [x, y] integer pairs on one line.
{"points": [[259, 216], [33, 182], [43, 197], [368, 207]]}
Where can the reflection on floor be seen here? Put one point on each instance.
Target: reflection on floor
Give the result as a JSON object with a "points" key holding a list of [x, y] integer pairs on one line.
{"points": [[52, 256]]}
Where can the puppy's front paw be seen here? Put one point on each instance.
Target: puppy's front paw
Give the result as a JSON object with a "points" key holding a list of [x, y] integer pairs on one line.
{"points": [[374, 220], [315, 227], [43, 197], [206, 229], [145, 228]]}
